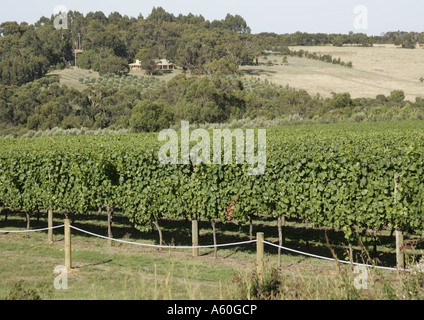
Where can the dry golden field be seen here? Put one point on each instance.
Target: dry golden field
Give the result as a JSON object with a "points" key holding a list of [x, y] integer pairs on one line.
{"points": [[376, 70]]}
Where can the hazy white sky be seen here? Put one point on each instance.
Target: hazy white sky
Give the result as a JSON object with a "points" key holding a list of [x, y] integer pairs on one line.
{"points": [[327, 16]]}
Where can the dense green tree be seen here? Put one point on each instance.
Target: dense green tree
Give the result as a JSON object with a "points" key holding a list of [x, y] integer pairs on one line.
{"points": [[223, 66], [189, 54], [10, 28], [396, 96], [341, 100], [148, 61], [87, 59], [113, 65], [338, 41], [159, 15], [150, 116], [97, 16], [239, 50], [46, 116], [236, 24]]}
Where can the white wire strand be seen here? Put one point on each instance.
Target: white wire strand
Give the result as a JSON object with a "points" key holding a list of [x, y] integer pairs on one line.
{"points": [[330, 259], [30, 230], [196, 247], [159, 246]]}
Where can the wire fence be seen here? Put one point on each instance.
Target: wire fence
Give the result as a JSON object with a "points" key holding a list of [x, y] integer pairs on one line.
{"points": [[162, 246], [204, 246], [31, 230]]}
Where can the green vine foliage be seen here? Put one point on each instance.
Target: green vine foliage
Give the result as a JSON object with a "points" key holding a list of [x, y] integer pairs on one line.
{"points": [[338, 176]]}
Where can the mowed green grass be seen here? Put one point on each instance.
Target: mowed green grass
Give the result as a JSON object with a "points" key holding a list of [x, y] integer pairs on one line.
{"points": [[119, 271], [127, 271]]}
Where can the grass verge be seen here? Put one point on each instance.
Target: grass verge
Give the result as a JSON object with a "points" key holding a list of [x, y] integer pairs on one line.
{"points": [[130, 272]]}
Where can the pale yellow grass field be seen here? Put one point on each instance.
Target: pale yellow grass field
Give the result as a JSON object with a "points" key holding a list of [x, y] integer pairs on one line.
{"points": [[376, 70]]}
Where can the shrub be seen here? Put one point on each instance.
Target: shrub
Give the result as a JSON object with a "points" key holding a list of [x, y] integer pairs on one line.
{"points": [[150, 116], [396, 96], [259, 287], [18, 292]]}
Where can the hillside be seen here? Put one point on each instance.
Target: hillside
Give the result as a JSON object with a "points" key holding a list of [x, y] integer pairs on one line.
{"points": [[223, 75], [71, 76], [376, 70]]}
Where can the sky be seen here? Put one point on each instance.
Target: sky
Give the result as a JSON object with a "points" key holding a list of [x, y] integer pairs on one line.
{"points": [[326, 16]]}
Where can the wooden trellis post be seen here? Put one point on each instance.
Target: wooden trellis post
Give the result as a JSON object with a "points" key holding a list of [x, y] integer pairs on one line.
{"points": [[50, 225], [68, 249], [400, 256], [260, 253], [195, 236]]}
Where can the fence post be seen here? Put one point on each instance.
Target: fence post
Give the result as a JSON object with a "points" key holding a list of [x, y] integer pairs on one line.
{"points": [[195, 236], [400, 257], [50, 225], [68, 258], [260, 253]]}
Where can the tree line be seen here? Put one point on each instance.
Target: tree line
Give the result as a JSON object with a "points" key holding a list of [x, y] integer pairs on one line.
{"points": [[45, 104], [31, 101], [110, 43], [273, 41], [317, 56]]}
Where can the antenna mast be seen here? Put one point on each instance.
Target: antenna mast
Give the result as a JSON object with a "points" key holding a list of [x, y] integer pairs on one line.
{"points": [[78, 48]]}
